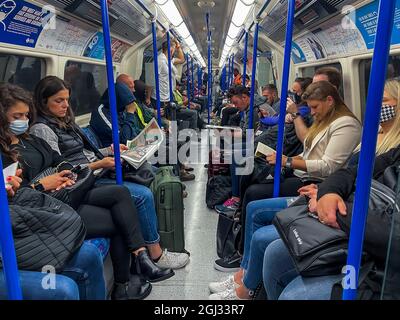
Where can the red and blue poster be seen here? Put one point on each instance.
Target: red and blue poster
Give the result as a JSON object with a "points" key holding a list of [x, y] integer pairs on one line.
{"points": [[22, 22]]}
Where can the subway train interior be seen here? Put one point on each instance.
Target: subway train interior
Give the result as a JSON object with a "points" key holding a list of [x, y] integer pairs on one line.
{"points": [[200, 150]]}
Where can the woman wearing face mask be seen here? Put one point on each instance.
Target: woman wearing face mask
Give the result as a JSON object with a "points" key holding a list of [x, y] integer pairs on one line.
{"points": [[107, 211], [55, 124]]}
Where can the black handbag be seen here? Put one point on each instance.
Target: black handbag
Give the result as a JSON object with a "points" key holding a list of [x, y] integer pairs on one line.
{"points": [[145, 175], [74, 194], [316, 249], [219, 188], [228, 235], [319, 250]]}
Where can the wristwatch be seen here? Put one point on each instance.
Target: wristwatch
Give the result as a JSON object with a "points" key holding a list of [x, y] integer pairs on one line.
{"points": [[38, 186], [289, 163], [295, 115]]}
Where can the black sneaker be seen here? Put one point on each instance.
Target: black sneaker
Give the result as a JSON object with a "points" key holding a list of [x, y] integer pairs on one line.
{"points": [[228, 264]]}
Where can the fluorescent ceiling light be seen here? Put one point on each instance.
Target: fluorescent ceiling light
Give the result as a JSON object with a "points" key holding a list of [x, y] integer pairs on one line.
{"points": [[183, 31], [240, 13], [233, 31], [171, 11]]}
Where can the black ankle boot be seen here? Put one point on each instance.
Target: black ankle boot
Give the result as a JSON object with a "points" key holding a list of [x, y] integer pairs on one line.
{"points": [[146, 267], [136, 288]]}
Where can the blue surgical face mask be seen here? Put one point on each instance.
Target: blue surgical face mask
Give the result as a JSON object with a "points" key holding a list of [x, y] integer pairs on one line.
{"points": [[19, 127]]}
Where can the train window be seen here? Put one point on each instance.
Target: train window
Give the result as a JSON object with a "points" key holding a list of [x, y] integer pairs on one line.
{"points": [[88, 82], [309, 72], [365, 70], [23, 71]]}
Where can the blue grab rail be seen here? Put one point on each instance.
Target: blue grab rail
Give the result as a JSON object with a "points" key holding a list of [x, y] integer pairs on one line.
{"points": [[284, 95], [246, 45], [156, 75], [192, 88], [171, 91], [7, 248], [369, 139], [209, 91], [188, 86], [111, 90], [253, 76]]}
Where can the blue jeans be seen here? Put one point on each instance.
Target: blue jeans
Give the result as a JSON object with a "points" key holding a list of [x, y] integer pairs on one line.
{"points": [[81, 279], [144, 202], [283, 282], [259, 214]]}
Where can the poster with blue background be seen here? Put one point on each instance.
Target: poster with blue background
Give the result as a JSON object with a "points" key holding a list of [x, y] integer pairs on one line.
{"points": [[366, 20], [22, 22], [95, 48]]}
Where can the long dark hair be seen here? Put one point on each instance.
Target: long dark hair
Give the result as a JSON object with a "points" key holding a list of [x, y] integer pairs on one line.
{"points": [[10, 95], [47, 87]]}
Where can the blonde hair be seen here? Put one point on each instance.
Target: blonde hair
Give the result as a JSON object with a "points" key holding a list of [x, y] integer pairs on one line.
{"points": [[321, 91], [391, 139]]}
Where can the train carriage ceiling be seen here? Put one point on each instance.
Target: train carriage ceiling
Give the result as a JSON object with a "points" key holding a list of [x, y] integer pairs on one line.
{"points": [[194, 14], [126, 19]]}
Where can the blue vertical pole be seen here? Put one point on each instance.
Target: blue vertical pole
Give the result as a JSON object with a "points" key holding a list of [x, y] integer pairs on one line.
{"points": [[192, 87], [370, 132], [233, 70], [7, 249], [111, 90], [199, 80], [156, 75], [246, 44], [188, 78], [253, 76], [209, 77], [285, 85], [171, 91]]}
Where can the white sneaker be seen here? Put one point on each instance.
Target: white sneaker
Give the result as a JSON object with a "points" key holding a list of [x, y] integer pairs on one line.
{"points": [[173, 260], [229, 283], [229, 294]]}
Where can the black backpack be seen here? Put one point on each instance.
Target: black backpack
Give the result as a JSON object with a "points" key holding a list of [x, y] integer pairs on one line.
{"points": [[219, 189]]}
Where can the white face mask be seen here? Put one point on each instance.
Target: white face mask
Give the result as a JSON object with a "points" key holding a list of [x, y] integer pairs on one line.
{"points": [[387, 113]]}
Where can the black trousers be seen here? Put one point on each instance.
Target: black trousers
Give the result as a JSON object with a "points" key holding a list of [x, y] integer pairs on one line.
{"points": [[108, 212], [252, 192]]}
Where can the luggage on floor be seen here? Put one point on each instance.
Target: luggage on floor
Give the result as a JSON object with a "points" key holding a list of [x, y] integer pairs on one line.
{"points": [[216, 165], [219, 189], [168, 197]]}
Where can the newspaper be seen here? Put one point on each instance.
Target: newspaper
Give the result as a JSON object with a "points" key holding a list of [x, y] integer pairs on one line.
{"points": [[144, 145]]}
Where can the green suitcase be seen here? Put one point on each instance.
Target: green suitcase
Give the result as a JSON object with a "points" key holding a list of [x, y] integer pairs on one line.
{"points": [[167, 190]]}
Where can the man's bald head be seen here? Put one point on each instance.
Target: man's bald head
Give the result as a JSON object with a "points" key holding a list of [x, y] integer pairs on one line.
{"points": [[126, 80]]}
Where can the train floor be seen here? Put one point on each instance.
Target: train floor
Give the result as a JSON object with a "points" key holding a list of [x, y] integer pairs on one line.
{"points": [[191, 282]]}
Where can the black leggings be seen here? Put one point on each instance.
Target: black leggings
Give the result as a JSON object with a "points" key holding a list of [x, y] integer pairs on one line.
{"points": [[107, 211], [255, 192]]}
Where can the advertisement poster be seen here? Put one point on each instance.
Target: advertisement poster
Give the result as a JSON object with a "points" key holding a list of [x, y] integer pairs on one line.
{"points": [[366, 20], [95, 47], [118, 49], [67, 38], [21, 22], [297, 54]]}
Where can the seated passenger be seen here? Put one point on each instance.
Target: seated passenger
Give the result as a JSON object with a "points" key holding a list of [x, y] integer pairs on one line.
{"points": [[322, 157], [270, 92], [100, 120], [55, 124], [284, 282], [259, 232], [107, 211], [82, 276]]}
